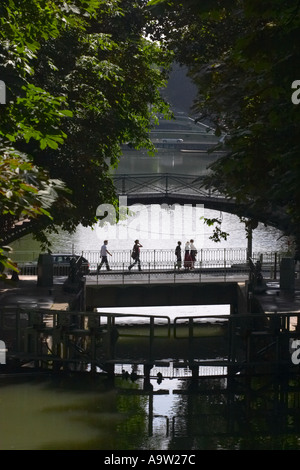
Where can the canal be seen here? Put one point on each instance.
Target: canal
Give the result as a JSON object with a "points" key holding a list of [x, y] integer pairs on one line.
{"points": [[172, 412], [78, 412]]}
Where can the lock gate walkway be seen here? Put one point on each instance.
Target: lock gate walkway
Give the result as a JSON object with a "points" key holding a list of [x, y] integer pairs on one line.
{"points": [[38, 327], [39, 334]]}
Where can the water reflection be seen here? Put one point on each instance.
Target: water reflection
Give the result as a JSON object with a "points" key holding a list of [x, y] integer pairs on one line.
{"points": [[168, 161], [81, 412], [265, 239]]}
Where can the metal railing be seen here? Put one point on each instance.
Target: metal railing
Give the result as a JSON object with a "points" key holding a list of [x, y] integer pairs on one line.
{"points": [[71, 337], [210, 257], [159, 259], [246, 341], [162, 183], [166, 273]]}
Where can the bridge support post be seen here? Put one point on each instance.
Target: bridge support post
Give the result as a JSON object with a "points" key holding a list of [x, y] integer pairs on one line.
{"points": [[195, 371], [147, 383], [147, 369]]}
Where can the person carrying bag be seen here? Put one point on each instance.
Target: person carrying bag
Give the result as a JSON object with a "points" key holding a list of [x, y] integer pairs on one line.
{"points": [[136, 255]]}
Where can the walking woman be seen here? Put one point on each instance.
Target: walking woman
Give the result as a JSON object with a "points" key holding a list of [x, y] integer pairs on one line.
{"points": [[136, 255], [193, 253], [187, 256]]}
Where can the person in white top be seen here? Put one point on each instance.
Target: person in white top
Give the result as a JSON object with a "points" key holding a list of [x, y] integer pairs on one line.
{"points": [[103, 253]]}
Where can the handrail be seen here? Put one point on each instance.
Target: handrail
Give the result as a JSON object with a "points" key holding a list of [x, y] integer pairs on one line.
{"points": [[162, 183], [159, 260], [66, 328], [52, 321], [206, 255]]}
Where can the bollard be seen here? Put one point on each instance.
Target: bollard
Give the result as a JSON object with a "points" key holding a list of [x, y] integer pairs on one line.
{"points": [[287, 273], [45, 270]]}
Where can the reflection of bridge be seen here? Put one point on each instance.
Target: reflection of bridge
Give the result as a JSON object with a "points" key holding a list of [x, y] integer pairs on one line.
{"points": [[170, 188]]}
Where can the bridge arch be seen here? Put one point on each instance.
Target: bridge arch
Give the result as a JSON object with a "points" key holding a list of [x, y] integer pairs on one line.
{"points": [[170, 189]]}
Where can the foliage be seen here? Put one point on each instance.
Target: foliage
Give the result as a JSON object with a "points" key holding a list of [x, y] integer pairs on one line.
{"points": [[244, 61], [81, 79], [218, 234], [110, 82]]}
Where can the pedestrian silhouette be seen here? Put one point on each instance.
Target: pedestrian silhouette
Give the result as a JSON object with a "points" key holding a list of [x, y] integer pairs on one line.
{"points": [[187, 256], [135, 255], [103, 253], [178, 256], [193, 253]]}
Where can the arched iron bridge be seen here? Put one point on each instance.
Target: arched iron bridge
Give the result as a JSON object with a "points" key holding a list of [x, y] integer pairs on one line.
{"points": [[170, 188]]}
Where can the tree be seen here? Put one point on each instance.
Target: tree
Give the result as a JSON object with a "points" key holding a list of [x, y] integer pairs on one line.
{"points": [[21, 181], [243, 57], [110, 80], [80, 79]]}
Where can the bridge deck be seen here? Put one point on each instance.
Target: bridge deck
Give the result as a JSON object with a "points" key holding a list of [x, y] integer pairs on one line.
{"points": [[167, 276]]}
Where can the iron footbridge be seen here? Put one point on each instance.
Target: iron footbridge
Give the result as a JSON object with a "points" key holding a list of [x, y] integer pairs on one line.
{"points": [[172, 188]]}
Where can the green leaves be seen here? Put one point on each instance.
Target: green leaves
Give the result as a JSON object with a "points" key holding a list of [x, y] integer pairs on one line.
{"points": [[81, 79], [218, 234], [248, 97], [33, 119], [36, 115], [243, 57]]}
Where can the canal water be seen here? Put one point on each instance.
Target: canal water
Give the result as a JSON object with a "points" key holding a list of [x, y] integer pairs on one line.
{"points": [[79, 411], [265, 239]]}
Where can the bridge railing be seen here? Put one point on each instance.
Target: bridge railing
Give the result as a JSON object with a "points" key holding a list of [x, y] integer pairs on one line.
{"points": [[49, 337], [162, 183], [166, 259], [159, 259]]}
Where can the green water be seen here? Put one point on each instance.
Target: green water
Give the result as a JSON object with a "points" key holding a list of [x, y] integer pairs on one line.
{"points": [[82, 412]]}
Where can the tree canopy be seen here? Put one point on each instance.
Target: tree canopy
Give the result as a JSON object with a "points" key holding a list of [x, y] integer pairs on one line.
{"points": [[81, 79], [243, 55], [84, 76]]}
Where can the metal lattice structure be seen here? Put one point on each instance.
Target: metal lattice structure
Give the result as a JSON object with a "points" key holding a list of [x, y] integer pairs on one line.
{"points": [[170, 189], [159, 183]]}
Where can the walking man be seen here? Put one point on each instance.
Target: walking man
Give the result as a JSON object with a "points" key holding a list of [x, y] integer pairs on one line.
{"points": [[136, 255], [103, 253]]}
